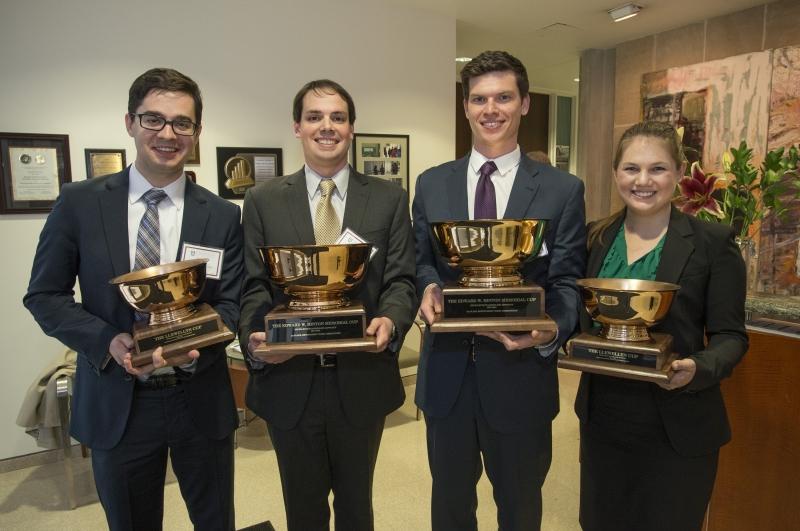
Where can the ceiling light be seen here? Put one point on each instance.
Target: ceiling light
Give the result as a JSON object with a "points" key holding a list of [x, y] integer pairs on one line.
{"points": [[576, 79], [463, 59], [624, 12]]}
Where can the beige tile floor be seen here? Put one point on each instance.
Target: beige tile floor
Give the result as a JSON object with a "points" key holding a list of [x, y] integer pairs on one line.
{"points": [[32, 498]]}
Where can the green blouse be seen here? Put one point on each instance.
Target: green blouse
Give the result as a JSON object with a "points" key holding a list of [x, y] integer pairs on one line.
{"points": [[616, 264]]}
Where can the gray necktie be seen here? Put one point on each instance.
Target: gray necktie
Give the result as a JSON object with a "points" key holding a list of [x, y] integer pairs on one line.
{"points": [[148, 240]]}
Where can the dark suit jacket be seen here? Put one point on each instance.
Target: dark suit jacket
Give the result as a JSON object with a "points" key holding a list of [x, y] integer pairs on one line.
{"points": [[706, 321], [86, 237], [278, 213], [518, 390]]}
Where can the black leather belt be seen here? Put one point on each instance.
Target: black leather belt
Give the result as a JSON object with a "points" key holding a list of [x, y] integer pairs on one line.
{"points": [[159, 381], [327, 361]]}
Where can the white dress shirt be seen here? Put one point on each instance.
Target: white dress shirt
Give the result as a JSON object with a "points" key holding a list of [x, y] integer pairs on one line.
{"points": [[170, 214], [339, 198]]}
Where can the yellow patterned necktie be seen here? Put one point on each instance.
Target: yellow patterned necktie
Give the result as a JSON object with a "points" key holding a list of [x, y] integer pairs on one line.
{"points": [[327, 226]]}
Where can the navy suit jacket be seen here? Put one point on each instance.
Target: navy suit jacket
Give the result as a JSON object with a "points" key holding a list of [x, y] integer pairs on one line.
{"points": [[85, 237], [518, 390], [706, 321], [278, 213]]}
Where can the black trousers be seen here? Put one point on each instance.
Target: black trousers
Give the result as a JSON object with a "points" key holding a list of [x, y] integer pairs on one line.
{"points": [[516, 464], [130, 476], [641, 484], [325, 453]]}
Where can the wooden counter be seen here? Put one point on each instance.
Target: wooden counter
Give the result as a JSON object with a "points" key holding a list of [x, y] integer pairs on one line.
{"points": [[758, 482]]}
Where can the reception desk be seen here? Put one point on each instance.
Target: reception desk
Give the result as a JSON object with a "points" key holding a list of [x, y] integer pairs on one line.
{"points": [[758, 482]]}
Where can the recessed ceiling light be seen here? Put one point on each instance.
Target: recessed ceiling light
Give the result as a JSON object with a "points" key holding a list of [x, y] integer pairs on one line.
{"points": [[463, 59], [576, 80], [624, 12]]}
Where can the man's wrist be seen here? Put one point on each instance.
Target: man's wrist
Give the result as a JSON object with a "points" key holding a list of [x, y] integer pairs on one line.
{"points": [[550, 343]]}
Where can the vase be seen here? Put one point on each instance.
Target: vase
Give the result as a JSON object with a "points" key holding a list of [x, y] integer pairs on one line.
{"points": [[750, 256]]}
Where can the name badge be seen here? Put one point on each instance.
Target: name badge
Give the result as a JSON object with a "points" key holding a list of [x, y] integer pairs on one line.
{"points": [[214, 255], [350, 236]]}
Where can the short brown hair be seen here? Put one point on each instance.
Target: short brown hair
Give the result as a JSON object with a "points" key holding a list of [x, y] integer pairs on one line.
{"points": [[166, 80], [322, 86], [494, 61]]}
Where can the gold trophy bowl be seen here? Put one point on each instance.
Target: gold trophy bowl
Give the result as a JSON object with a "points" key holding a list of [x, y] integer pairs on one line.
{"points": [[626, 307], [318, 317], [624, 347], [316, 277], [491, 294], [167, 292], [490, 251]]}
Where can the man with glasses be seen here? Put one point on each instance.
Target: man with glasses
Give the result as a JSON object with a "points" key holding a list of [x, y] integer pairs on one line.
{"points": [[134, 418]]}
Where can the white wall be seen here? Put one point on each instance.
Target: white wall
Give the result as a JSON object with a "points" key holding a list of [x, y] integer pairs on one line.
{"points": [[65, 67]]}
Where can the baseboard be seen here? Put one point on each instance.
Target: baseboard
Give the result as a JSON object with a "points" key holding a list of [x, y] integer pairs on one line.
{"points": [[35, 459]]}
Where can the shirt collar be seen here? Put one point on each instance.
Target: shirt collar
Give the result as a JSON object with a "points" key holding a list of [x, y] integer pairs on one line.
{"points": [[341, 178], [505, 163], [138, 185]]}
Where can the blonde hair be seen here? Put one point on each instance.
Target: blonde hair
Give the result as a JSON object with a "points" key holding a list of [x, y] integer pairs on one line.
{"points": [[661, 130]]}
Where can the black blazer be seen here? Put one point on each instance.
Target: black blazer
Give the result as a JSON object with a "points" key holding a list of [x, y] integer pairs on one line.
{"points": [[706, 321], [518, 390], [278, 213], [86, 238]]}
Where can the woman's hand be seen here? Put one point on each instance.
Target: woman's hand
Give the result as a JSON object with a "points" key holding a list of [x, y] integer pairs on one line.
{"points": [[683, 373]]}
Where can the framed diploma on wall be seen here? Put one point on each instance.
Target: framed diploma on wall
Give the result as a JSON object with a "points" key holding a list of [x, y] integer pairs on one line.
{"points": [[384, 156], [34, 167], [101, 162]]}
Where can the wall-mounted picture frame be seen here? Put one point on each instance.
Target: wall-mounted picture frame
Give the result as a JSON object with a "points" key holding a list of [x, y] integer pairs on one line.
{"points": [[194, 156], [34, 167], [384, 156], [241, 168], [101, 162]]}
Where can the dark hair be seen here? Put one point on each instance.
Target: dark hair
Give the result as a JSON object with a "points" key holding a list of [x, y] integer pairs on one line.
{"points": [[322, 86], [661, 130], [494, 61], [164, 80]]}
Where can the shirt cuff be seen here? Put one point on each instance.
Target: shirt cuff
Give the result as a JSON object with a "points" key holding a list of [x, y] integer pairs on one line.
{"points": [[547, 349]]}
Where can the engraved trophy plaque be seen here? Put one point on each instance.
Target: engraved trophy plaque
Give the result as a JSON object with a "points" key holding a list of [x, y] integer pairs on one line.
{"points": [[623, 346]]}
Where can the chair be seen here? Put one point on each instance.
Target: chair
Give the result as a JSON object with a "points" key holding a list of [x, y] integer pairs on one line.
{"points": [[64, 395]]}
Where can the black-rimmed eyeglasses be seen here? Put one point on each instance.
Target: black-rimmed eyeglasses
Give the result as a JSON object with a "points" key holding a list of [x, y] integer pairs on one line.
{"points": [[154, 122]]}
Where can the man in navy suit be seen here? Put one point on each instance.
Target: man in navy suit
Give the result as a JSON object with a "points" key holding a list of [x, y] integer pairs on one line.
{"points": [[489, 399], [133, 418]]}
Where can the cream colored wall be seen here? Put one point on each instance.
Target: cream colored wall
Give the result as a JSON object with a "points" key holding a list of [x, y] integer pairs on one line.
{"points": [[66, 68]]}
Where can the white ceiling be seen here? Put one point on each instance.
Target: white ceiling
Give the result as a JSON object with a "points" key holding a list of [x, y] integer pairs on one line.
{"points": [[548, 35]]}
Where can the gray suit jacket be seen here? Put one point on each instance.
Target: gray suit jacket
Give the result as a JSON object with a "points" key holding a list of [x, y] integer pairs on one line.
{"points": [[518, 390], [278, 213]]}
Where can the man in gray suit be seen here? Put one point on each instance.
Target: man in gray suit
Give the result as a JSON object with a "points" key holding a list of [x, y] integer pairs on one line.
{"points": [[494, 395], [326, 412]]}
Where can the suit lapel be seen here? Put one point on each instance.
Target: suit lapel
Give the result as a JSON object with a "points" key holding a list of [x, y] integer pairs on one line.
{"points": [[457, 190], [601, 246], [523, 191], [114, 210], [357, 199], [195, 216], [296, 197], [677, 249]]}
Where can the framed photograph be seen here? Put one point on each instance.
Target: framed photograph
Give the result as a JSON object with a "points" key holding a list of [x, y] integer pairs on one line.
{"points": [[194, 157], [34, 167], [241, 168], [384, 156], [103, 161]]}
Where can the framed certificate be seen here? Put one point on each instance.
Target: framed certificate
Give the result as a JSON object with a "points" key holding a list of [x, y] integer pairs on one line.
{"points": [[104, 161], [239, 169], [384, 156], [34, 167]]}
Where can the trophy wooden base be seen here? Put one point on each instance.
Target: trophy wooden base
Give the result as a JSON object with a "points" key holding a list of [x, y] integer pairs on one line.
{"points": [[202, 328], [649, 361], [315, 331], [498, 309]]}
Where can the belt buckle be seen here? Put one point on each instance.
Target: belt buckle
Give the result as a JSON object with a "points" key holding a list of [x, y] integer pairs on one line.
{"points": [[323, 361]]}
